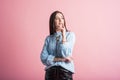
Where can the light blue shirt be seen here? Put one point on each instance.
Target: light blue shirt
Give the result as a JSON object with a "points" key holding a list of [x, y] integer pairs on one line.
{"points": [[53, 48]]}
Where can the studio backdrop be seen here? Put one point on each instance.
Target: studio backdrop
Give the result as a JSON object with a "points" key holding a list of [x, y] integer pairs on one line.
{"points": [[24, 25]]}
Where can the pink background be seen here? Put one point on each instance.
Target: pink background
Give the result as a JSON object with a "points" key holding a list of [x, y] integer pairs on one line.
{"points": [[24, 26]]}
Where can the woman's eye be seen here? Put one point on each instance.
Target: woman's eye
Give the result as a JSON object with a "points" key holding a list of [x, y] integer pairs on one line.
{"points": [[59, 18], [56, 18]]}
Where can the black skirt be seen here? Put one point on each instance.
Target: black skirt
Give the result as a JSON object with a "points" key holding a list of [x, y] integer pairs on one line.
{"points": [[58, 73]]}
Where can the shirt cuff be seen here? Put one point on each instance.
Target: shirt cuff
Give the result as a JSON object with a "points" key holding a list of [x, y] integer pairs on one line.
{"points": [[50, 59]]}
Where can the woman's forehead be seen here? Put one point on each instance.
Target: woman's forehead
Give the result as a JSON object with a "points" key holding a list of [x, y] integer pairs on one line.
{"points": [[59, 15]]}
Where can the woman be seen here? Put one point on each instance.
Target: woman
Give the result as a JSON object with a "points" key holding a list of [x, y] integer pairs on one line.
{"points": [[56, 54]]}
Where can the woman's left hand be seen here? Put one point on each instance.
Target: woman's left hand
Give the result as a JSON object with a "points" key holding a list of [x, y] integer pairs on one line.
{"points": [[68, 59]]}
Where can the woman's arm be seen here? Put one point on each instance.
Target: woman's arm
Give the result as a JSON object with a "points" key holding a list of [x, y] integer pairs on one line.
{"points": [[59, 59], [46, 58], [66, 47], [66, 59]]}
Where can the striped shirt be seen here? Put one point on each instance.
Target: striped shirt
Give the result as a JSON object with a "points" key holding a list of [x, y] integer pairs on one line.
{"points": [[53, 47]]}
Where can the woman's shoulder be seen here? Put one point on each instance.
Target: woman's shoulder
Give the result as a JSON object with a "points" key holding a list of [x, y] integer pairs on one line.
{"points": [[48, 37]]}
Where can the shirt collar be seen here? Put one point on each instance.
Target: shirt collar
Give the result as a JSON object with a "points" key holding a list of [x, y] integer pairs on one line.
{"points": [[57, 33]]}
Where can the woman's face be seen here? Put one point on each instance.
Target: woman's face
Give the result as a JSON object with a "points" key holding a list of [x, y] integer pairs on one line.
{"points": [[59, 21]]}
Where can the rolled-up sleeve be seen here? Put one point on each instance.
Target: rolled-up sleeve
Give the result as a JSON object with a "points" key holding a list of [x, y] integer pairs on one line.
{"points": [[45, 57], [67, 47]]}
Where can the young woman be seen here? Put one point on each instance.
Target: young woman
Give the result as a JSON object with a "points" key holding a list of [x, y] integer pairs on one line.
{"points": [[56, 54]]}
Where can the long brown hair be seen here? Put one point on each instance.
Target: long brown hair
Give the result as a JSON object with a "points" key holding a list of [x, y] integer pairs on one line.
{"points": [[51, 22]]}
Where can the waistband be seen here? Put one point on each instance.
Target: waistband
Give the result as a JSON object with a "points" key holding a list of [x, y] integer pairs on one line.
{"points": [[58, 68]]}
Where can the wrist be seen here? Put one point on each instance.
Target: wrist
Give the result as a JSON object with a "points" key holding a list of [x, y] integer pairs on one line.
{"points": [[59, 59], [63, 38], [63, 34], [64, 41]]}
